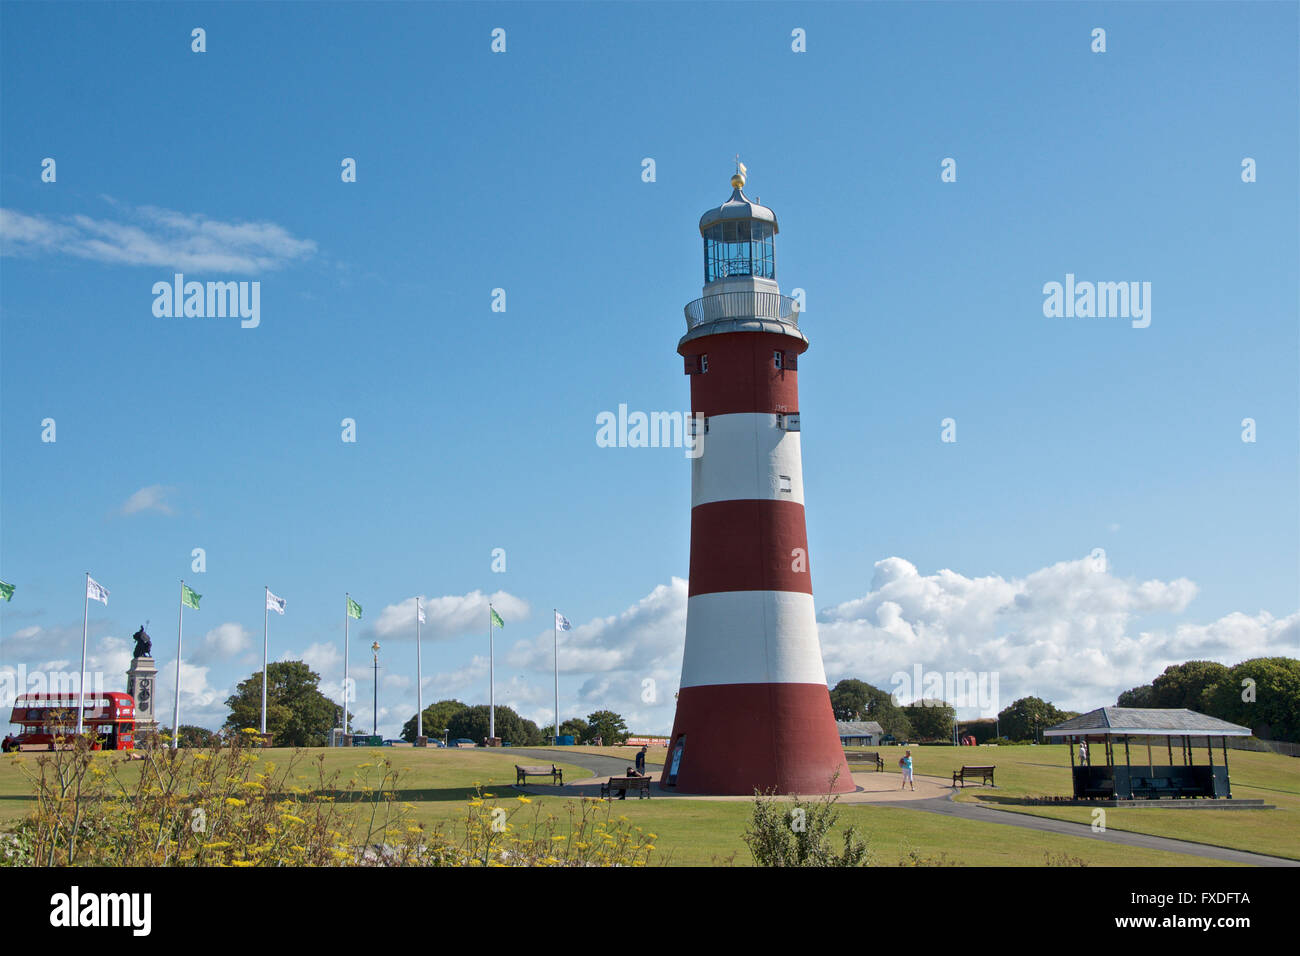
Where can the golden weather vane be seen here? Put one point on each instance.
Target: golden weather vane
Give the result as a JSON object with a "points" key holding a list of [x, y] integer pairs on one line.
{"points": [[738, 180]]}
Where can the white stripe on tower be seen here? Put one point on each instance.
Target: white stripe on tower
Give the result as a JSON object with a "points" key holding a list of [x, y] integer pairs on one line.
{"points": [[745, 455], [751, 637]]}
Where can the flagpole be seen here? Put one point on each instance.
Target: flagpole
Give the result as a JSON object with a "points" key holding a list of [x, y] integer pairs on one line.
{"points": [[81, 685], [176, 707], [346, 597], [419, 699], [555, 643], [492, 708], [266, 615]]}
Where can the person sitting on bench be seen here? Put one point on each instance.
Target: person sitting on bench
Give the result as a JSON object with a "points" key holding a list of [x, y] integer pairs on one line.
{"points": [[631, 772]]}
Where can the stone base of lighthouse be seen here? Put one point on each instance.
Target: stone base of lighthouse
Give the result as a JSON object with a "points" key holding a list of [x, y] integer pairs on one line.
{"points": [[772, 737]]}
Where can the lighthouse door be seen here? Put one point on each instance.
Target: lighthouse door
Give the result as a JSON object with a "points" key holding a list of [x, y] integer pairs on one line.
{"points": [[676, 762]]}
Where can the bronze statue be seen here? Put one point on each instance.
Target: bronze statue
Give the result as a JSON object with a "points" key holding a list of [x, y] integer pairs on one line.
{"points": [[143, 645]]}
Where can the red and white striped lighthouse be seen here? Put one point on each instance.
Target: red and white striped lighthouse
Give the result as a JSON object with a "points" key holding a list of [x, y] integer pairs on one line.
{"points": [[753, 710]]}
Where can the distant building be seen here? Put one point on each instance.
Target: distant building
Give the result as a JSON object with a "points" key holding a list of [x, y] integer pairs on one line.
{"points": [[859, 733]]}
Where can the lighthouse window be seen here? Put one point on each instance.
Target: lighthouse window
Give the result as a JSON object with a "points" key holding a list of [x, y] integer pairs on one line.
{"points": [[776, 358], [785, 483], [739, 248], [704, 363]]}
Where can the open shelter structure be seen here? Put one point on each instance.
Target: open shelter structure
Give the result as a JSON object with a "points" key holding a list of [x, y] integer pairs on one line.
{"points": [[1128, 734]]}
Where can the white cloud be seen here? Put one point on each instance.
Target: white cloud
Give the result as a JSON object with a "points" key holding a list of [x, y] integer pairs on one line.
{"points": [[222, 643], [201, 703], [324, 659], [446, 617], [149, 236], [149, 498], [630, 663], [1063, 633]]}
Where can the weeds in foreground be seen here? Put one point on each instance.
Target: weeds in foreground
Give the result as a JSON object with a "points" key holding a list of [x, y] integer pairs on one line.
{"points": [[230, 806]]}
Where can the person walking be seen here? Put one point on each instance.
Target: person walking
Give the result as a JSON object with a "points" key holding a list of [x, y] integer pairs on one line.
{"points": [[640, 761], [906, 763]]}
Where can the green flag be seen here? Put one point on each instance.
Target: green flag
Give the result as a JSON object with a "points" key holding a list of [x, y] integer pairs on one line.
{"points": [[496, 618], [354, 609], [189, 597], [6, 591]]}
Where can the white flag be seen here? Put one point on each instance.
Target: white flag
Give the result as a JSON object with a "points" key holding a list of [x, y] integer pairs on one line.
{"points": [[96, 591], [419, 612], [274, 603], [562, 622]]}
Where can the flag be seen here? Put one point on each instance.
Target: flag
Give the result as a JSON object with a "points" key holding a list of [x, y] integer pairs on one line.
{"points": [[354, 609], [96, 591], [274, 603], [419, 612], [6, 591], [189, 597], [562, 622], [496, 618]]}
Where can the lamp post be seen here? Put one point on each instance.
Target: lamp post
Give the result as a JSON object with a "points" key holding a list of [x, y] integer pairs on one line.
{"points": [[375, 725]]}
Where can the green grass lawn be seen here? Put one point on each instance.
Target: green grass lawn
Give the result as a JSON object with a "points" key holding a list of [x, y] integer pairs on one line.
{"points": [[1044, 771], [437, 785]]}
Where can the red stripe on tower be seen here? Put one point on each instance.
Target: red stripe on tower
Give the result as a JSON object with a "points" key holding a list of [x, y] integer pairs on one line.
{"points": [[754, 710]]}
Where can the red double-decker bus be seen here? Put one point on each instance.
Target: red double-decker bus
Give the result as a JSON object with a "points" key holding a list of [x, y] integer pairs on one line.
{"points": [[44, 718]]}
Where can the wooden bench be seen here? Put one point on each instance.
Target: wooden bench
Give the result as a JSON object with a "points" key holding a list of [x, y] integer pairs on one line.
{"points": [[623, 784], [523, 773], [868, 757], [986, 773]]}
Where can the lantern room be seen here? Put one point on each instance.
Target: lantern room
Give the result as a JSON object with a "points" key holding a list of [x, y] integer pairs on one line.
{"points": [[739, 237]]}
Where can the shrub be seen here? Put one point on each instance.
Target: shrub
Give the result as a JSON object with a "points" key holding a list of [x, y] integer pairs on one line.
{"points": [[796, 833]]}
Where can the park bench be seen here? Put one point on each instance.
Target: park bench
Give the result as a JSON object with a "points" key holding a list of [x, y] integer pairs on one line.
{"points": [[868, 757], [986, 773], [623, 784], [523, 773]]}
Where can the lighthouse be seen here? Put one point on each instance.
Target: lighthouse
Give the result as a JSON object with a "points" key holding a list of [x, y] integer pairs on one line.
{"points": [[753, 710]]}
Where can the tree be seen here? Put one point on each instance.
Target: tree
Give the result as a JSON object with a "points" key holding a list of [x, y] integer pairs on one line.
{"points": [[931, 719], [472, 724], [576, 728], [297, 713], [1184, 685], [1028, 717], [850, 699], [1142, 696], [608, 726], [530, 735], [853, 699], [1263, 694], [437, 718], [201, 737]]}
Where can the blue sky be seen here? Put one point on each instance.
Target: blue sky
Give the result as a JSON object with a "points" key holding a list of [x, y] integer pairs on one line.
{"points": [[476, 429]]}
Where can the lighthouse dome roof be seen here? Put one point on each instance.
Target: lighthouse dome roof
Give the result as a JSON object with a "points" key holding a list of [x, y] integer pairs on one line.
{"points": [[738, 207]]}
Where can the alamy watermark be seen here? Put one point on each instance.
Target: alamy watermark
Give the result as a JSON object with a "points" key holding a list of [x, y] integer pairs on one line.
{"points": [[1101, 300], [212, 300], [16, 681], [961, 689], [652, 430]]}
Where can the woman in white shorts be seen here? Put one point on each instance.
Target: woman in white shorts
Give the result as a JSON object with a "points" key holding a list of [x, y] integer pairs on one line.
{"points": [[906, 764]]}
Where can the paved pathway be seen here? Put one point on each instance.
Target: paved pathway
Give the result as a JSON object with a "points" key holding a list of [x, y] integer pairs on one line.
{"points": [[948, 807]]}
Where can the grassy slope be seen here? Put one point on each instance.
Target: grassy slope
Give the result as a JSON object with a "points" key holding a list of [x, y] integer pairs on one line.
{"points": [[698, 832], [1044, 771]]}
